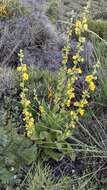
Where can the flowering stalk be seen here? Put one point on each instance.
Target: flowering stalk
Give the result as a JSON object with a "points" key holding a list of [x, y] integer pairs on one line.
{"points": [[77, 108], [28, 118], [62, 76]]}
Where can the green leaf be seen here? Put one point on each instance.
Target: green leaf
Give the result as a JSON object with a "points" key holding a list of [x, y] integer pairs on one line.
{"points": [[51, 154], [29, 154], [5, 175], [44, 135]]}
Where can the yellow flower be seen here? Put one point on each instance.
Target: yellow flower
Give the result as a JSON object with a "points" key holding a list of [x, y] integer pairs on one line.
{"points": [[19, 68], [71, 96], [92, 86], [25, 76], [89, 78], [29, 133], [69, 71], [26, 113], [69, 91], [78, 24], [76, 104], [30, 124], [68, 103], [81, 104], [27, 103], [74, 115], [79, 70], [85, 102], [76, 57], [24, 68], [41, 108], [81, 111]]}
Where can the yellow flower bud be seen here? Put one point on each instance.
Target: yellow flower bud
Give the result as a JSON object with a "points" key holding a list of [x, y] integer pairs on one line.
{"points": [[25, 76], [19, 68], [81, 111], [68, 103], [92, 86], [89, 78], [24, 68], [69, 71], [78, 24]]}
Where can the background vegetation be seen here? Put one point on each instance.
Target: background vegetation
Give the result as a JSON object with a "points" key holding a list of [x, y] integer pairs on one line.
{"points": [[40, 31]]}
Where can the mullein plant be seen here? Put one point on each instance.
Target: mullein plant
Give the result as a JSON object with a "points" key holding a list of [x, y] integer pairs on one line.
{"points": [[65, 98], [25, 102], [75, 107]]}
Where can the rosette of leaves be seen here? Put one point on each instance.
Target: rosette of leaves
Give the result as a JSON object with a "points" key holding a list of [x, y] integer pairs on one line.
{"points": [[49, 125]]}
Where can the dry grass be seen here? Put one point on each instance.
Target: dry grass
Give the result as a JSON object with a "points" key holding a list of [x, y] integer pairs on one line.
{"points": [[7, 81]]}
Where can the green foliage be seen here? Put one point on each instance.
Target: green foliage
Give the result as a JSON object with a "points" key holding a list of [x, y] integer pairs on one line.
{"points": [[100, 96], [99, 27], [42, 180], [41, 81], [52, 10], [15, 150], [50, 125], [50, 135]]}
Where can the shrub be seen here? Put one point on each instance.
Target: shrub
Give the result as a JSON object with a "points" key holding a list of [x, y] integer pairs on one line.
{"points": [[55, 10], [10, 8], [8, 84], [36, 35]]}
